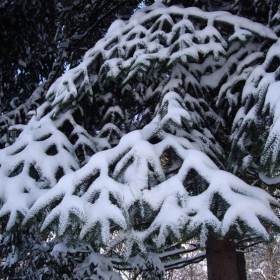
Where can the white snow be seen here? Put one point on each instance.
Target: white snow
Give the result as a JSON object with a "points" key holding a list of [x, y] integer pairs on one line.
{"points": [[136, 171]]}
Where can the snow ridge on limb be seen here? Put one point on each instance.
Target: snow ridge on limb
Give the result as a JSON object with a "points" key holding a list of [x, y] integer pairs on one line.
{"points": [[253, 91], [221, 52], [125, 192], [133, 48], [141, 167], [44, 152], [19, 115]]}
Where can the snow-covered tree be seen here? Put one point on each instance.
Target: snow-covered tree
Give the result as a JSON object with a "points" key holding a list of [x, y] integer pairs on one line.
{"points": [[40, 39], [137, 149]]}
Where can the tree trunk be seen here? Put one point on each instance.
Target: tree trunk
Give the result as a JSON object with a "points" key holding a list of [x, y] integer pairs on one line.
{"points": [[223, 262]]}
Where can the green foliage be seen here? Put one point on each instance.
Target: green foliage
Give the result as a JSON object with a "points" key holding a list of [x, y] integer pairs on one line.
{"points": [[134, 146]]}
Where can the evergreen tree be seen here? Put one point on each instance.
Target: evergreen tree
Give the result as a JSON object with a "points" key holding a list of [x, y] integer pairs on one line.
{"points": [[136, 150], [39, 40]]}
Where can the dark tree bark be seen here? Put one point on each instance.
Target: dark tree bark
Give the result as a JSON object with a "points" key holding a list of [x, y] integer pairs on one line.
{"points": [[223, 260]]}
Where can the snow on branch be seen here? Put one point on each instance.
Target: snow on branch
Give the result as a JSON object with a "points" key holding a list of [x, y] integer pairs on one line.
{"points": [[137, 147], [152, 36]]}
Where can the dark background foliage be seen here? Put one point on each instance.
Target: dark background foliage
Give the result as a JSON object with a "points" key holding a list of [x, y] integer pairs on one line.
{"points": [[39, 39]]}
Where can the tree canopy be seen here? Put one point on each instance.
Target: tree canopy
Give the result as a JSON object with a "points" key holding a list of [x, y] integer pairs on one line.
{"points": [[41, 38], [166, 131]]}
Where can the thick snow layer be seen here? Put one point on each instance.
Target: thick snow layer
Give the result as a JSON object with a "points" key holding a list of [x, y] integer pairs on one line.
{"points": [[151, 44], [268, 180], [130, 182], [165, 178]]}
